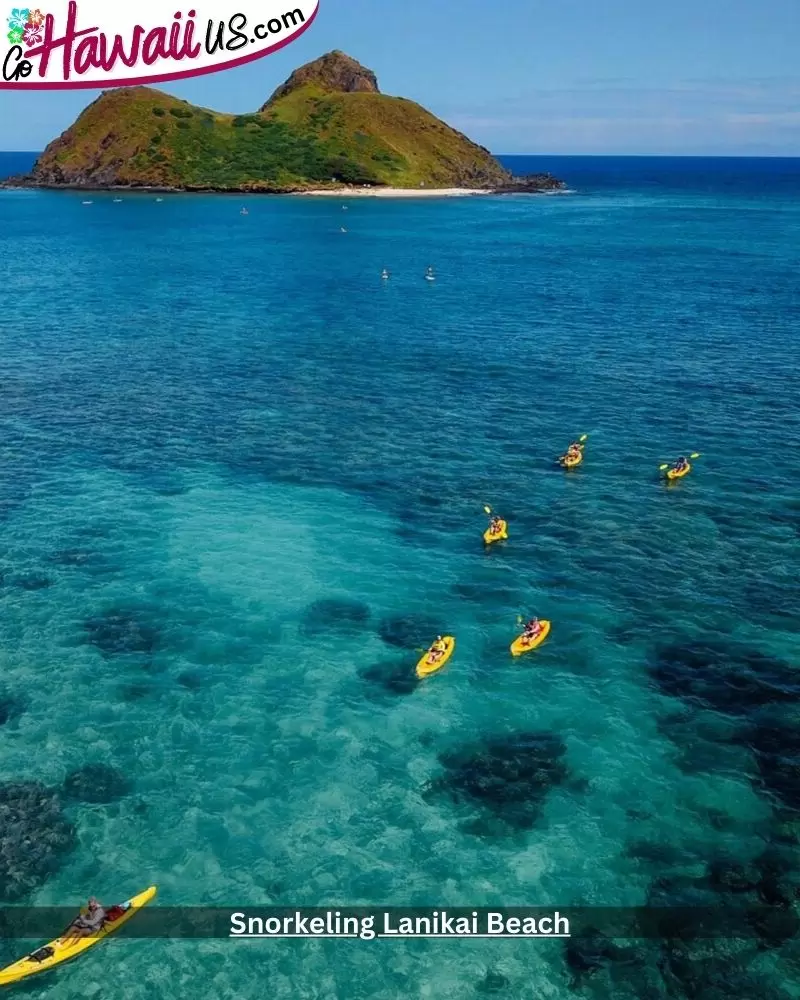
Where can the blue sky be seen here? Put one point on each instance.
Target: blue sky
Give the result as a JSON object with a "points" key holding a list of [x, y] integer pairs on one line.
{"points": [[699, 77]]}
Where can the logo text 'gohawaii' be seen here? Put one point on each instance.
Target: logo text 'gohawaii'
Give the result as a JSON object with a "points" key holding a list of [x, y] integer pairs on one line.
{"points": [[91, 44]]}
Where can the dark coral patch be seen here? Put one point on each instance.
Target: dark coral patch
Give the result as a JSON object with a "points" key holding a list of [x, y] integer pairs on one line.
{"points": [[96, 783], [192, 680], [392, 676], [89, 560], [34, 837], [335, 614], [590, 952], [33, 581], [11, 707], [135, 691], [509, 776], [493, 982], [410, 631], [776, 746], [124, 630], [723, 676], [72, 557]]}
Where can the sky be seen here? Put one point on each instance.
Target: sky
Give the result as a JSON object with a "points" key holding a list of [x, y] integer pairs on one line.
{"points": [[687, 77]]}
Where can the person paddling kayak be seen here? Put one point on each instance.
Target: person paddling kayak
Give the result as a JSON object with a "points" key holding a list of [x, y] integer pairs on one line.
{"points": [[89, 922], [681, 465], [495, 525], [437, 650], [533, 629]]}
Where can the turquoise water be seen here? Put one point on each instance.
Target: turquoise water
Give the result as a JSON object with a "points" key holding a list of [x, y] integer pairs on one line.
{"points": [[243, 480]]}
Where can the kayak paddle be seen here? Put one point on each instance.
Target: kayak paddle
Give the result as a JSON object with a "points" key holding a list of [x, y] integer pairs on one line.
{"points": [[581, 440], [668, 465]]}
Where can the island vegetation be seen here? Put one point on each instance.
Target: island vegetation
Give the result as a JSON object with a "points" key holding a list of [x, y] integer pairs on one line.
{"points": [[328, 125]]}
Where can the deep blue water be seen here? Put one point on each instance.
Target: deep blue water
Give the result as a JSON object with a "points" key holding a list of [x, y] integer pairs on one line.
{"points": [[12, 164], [244, 482], [735, 176]]}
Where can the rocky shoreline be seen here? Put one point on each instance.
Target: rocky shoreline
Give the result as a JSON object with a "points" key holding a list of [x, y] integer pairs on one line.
{"points": [[533, 184]]}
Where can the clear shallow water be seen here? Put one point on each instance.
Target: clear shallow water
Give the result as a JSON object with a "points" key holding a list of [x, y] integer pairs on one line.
{"points": [[211, 423]]}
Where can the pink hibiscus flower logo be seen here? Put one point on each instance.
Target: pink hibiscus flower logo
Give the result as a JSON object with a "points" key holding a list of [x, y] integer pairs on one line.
{"points": [[33, 34]]}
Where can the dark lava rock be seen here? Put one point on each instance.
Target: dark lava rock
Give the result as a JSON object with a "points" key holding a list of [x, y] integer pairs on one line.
{"points": [[135, 691], [779, 884], [510, 776], [394, 677], [531, 184], [482, 593], [34, 836], [335, 614], [123, 630], [733, 876], [590, 952], [724, 676], [661, 854], [96, 783], [33, 582], [11, 707], [773, 925], [192, 680], [493, 982], [410, 631], [776, 746], [723, 905], [88, 560], [712, 974], [71, 557]]}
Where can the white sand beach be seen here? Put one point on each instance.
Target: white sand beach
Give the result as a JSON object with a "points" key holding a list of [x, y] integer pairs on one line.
{"points": [[388, 192]]}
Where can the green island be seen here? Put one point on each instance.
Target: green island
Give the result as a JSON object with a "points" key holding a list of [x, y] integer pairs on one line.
{"points": [[327, 126]]}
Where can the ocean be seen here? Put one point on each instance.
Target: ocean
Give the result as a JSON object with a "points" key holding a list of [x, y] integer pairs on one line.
{"points": [[243, 485]]}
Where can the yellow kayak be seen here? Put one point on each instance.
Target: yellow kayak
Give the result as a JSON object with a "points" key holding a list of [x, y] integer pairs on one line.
{"points": [[502, 534], [58, 951], [672, 474], [425, 668], [569, 462], [519, 646]]}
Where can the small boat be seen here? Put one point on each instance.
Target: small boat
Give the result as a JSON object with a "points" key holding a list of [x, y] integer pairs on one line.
{"points": [[117, 201], [343, 230], [244, 212], [385, 274], [429, 275], [159, 199], [87, 203]]}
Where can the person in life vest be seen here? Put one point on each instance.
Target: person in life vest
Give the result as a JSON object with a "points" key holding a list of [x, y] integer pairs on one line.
{"points": [[532, 630], [89, 922], [437, 650]]}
